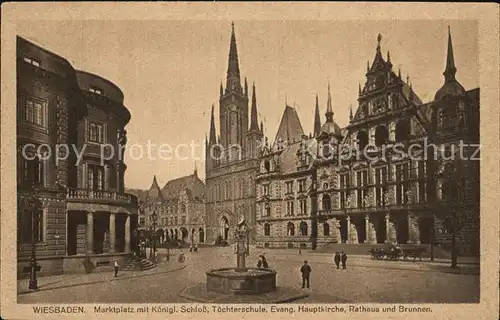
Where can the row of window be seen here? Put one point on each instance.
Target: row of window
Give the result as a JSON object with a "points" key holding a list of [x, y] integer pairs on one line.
{"points": [[165, 221], [290, 208], [228, 191], [35, 113], [290, 229]]}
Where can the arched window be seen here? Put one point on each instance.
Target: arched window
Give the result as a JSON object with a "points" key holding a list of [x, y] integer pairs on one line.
{"points": [[381, 135], [402, 130], [303, 228], [267, 165], [183, 208], [362, 140], [326, 229], [290, 229], [327, 202], [267, 229]]}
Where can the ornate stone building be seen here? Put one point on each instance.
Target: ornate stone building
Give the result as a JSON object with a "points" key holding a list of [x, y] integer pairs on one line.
{"points": [[180, 209], [377, 181], [72, 205], [231, 156]]}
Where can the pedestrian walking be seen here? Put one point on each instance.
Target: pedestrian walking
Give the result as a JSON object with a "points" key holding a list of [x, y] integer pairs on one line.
{"points": [[306, 272], [116, 268], [300, 251], [181, 257], [336, 259], [195, 248], [344, 260]]}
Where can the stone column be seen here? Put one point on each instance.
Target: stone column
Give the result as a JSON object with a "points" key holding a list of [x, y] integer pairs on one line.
{"points": [[127, 233], [367, 228], [387, 228], [348, 233], [112, 232], [90, 232]]}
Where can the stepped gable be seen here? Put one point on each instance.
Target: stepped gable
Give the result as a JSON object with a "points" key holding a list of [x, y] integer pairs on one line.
{"points": [[192, 183], [290, 128]]}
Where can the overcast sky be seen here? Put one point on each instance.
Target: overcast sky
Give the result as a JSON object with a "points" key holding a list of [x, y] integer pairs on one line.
{"points": [[170, 71]]}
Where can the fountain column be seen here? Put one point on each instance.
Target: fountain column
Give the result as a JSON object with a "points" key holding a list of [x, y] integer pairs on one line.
{"points": [[241, 250]]}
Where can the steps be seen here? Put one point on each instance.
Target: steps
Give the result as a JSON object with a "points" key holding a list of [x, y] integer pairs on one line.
{"points": [[139, 264]]}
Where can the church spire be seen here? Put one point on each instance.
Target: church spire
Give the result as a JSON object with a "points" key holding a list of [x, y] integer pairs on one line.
{"points": [[450, 70], [212, 140], [329, 108], [254, 123], [317, 120], [233, 81]]}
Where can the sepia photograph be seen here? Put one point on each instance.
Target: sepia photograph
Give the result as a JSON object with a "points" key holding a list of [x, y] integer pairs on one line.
{"points": [[193, 164]]}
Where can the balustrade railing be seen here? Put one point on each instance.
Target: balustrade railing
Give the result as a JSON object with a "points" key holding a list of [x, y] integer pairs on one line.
{"points": [[100, 195]]}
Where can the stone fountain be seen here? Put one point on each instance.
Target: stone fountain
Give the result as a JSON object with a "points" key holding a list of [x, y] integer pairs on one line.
{"points": [[240, 283]]}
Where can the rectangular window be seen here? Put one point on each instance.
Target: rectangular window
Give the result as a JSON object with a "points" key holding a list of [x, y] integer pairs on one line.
{"points": [[265, 189], [34, 113], [31, 226], [289, 187], [402, 183], [344, 181], [422, 182], [33, 171], [381, 185], [361, 182], [95, 177], [302, 185], [96, 132], [303, 206], [289, 208]]}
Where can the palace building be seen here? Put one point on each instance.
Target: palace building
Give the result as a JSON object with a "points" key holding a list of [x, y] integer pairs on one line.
{"points": [[179, 206], [73, 208], [231, 162], [370, 182]]}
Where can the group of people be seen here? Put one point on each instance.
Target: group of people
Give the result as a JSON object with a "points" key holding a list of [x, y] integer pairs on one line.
{"points": [[340, 258], [193, 248], [262, 263]]}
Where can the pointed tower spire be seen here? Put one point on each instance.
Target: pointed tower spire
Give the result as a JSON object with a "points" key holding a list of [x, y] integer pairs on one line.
{"points": [[388, 56], [350, 113], [359, 89], [246, 87], [212, 128], [195, 169], [450, 70], [368, 66], [317, 119], [221, 89], [399, 73], [254, 123], [233, 81], [329, 108]]}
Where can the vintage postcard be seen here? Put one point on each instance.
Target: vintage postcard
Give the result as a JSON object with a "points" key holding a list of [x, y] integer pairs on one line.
{"points": [[249, 159]]}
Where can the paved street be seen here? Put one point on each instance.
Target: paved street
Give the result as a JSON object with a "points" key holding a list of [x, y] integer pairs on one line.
{"points": [[365, 280]]}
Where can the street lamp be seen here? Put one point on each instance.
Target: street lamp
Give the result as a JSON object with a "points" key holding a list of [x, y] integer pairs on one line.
{"points": [[154, 217], [33, 204]]}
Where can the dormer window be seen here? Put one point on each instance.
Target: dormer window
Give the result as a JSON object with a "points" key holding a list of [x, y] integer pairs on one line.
{"points": [[32, 61], [96, 90]]}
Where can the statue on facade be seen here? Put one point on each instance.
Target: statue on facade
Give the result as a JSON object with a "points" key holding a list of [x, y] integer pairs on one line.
{"points": [[122, 141]]}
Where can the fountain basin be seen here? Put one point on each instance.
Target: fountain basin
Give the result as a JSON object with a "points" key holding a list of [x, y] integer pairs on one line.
{"points": [[246, 282]]}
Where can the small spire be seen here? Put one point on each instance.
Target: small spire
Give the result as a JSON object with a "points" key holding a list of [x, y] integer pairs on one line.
{"points": [[317, 119], [286, 100], [195, 169], [329, 108], [212, 128], [246, 87], [254, 124], [407, 79], [379, 38], [261, 127], [388, 56], [350, 112], [221, 89], [399, 73], [368, 65], [450, 70], [359, 90]]}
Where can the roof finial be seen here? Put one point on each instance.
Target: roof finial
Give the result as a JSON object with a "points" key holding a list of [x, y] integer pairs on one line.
{"points": [[388, 56], [350, 112], [399, 73], [368, 65], [195, 169], [407, 79], [232, 26], [379, 38], [359, 89]]}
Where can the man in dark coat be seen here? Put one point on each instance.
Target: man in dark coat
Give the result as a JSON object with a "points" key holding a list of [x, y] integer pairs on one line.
{"points": [[306, 272], [337, 259], [344, 260]]}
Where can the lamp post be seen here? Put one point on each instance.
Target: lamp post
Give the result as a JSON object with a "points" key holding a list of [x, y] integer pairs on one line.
{"points": [[33, 204], [154, 217]]}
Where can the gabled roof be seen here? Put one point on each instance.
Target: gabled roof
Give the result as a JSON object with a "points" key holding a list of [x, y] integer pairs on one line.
{"points": [[290, 128], [154, 192], [288, 158], [192, 184]]}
